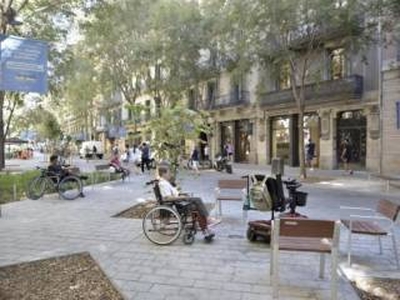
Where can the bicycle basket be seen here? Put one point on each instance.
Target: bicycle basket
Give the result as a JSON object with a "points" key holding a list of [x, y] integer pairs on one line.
{"points": [[300, 198]]}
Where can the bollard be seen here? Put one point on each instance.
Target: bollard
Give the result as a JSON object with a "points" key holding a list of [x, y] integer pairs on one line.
{"points": [[14, 192]]}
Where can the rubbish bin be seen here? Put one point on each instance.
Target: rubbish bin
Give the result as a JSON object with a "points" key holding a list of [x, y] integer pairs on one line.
{"points": [[277, 166]]}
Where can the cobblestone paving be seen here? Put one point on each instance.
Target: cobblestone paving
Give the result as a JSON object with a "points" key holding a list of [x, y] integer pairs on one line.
{"points": [[229, 268]]}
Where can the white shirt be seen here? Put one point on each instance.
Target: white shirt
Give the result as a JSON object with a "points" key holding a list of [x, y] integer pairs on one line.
{"points": [[166, 189]]}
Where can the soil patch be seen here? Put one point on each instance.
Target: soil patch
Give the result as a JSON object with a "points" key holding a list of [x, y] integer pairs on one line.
{"points": [[75, 276], [139, 211], [377, 288]]}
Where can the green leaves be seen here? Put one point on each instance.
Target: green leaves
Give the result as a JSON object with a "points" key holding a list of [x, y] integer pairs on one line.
{"points": [[172, 128]]}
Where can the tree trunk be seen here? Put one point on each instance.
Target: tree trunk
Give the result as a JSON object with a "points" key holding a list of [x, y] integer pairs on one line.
{"points": [[2, 136], [2, 95], [303, 171]]}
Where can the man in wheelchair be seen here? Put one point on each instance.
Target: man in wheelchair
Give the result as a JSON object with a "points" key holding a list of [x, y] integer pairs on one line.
{"points": [[169, 192], [61, 171]]}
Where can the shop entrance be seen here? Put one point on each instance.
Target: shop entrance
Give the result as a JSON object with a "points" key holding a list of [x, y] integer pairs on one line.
{"points": [[352, 126], [243, 132]]}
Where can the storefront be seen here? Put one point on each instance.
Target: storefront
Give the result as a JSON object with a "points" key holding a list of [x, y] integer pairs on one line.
{"points": [[285, 137], [280, 138], [239, 134], [352, 126]]}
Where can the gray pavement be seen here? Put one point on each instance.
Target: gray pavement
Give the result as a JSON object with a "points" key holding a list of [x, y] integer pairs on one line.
{"points": [[229, 268]]}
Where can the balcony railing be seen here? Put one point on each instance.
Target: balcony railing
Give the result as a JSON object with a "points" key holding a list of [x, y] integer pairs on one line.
{"points": [[350, 87], [229, 100]]}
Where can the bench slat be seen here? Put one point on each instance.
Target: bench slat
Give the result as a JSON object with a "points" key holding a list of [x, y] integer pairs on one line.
{"points": [[365, 227], [233, 198], [305, 244], [232, 184], [388, 209], [307, 228]]}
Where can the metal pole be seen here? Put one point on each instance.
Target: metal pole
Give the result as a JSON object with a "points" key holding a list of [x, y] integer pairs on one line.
{"points": [[380, 95]]}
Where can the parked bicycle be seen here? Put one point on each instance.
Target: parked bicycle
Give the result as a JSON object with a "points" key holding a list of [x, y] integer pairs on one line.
{"points": [[69, 187]]}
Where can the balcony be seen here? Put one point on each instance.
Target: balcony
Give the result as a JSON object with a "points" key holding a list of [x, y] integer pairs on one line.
{"points": [[230, 100], [350, 87]]}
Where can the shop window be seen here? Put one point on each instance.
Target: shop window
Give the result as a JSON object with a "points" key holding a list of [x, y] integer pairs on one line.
{"points": [[281, 138], [337, 64]]}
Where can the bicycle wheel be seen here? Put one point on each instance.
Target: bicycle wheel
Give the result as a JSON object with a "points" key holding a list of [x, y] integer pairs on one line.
{"points": [[70, 187], [36, 188], [162, 225]]}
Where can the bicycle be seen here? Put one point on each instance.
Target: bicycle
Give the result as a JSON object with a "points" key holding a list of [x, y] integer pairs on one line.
{"points": [[68, 186]]}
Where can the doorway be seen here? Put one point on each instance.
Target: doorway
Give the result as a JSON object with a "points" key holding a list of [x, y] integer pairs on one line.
{"points": [[352, 126]]}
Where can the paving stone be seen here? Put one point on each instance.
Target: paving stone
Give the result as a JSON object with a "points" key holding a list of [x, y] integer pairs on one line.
{"points": [[229, 268]]}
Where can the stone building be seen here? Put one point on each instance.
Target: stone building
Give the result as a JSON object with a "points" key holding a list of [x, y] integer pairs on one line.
{"points": [[258, 116]]}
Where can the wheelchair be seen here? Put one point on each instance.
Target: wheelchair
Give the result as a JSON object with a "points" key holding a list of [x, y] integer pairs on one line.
{"points": [[165, 223]]}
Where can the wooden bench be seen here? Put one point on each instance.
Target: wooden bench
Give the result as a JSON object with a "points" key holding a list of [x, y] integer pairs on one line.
{"points": [[389, 179], [379, 222], [230, 190], [305, 235]]}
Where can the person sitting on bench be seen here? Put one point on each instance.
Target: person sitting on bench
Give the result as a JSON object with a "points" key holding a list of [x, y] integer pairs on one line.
{"points": [[116, 164], [167, 190]]}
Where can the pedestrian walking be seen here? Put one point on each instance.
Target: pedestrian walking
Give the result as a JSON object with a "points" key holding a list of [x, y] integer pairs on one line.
{"points": [[310, 153], [94, 150], [346, 156], [206, 152], [195, 160], [145, 157]]}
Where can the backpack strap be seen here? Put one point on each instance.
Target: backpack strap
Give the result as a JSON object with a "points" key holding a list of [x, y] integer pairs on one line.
{"points": [[254, 179]]}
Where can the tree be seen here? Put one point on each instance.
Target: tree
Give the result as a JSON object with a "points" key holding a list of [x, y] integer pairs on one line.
{"points": [[81, 89], [174, 126], [48, 20], [114, 38]]}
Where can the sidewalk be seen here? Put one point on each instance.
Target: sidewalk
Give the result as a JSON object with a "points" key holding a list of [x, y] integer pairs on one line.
{"points": [[229, 268]]}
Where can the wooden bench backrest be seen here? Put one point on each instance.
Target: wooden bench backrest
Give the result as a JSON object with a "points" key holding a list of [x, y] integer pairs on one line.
{"points": [[388, 209], [307, 228], [232, 184], [102, 167]]}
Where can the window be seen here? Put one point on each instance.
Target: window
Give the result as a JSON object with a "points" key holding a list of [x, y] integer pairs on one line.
{"points": [[337, 64], [210, 92], [236, 93], [284, 77]]}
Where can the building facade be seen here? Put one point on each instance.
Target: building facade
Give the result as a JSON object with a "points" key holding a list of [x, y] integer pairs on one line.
{"points": [[259, 117]]}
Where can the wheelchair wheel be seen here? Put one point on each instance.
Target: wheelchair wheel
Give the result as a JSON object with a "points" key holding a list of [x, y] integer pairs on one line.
{"points": [[162, 225], [70, 187], [188, 238]]}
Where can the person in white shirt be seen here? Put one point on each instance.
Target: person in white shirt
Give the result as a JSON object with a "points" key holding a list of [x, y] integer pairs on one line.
{"points": [[167, 191]]}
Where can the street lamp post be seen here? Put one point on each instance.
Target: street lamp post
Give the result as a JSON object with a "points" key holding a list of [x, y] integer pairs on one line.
{"points": [[8, 17]]}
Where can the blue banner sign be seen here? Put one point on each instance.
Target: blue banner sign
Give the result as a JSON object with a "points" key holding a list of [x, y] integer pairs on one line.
{"points": [[23, 65]]}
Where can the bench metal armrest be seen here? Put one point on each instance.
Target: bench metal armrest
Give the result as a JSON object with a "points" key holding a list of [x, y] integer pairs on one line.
{"points": [[384, 222], [347, 211], [355, 208]]}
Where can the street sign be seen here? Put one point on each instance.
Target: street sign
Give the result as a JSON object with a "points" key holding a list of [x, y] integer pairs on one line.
{"points": [[23, 65]]}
